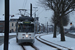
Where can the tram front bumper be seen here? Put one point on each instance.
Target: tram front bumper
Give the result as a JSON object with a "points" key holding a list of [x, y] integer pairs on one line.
{"points": [[25, 40]]}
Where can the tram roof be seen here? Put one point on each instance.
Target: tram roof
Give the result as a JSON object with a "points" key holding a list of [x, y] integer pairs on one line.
{"points": [[26, 18]]}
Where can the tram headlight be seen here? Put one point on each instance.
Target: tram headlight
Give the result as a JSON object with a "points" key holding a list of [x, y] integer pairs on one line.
{"points": [[26, 35]]}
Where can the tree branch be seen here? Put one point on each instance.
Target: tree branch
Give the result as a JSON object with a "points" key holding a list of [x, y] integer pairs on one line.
{"points": [[69, 12], [68, 6]]}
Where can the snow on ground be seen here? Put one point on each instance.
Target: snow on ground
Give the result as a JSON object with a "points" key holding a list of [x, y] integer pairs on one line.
{"points": [[14, 46], [2, 34], [73, 33], [29, 48], [1, 47], [70, 43]]}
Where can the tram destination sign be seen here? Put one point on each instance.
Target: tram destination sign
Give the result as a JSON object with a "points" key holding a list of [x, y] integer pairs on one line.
{"points": [[26, 22]]}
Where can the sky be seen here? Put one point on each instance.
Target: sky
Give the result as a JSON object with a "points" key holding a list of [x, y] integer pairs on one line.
{"points": [[41, 13], [1, 7], [20, 4]]}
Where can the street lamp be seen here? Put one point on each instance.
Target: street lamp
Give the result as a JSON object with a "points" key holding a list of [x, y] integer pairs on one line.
{"points": [[36, 21], [35, 11], [45, 20]]}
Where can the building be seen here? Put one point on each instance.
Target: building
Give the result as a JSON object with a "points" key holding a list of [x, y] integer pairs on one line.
{"points": [[50, 28], [36, 24], [2, 24], [42, 28], [12, 23]]}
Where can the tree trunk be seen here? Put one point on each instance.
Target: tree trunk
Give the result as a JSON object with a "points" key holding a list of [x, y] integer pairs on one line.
{"points": [[54, 35], [62, 31]]}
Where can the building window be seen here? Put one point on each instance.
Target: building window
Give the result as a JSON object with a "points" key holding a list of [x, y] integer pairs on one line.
{"points": [[12, 30], [12, 24], [15, 24]]}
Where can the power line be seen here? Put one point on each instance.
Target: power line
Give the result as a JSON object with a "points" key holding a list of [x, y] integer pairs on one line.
{"points": [[24, 3], [40, 12]]}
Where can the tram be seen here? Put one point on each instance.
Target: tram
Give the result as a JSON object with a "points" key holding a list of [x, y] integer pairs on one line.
{"points": [[25, 30]]}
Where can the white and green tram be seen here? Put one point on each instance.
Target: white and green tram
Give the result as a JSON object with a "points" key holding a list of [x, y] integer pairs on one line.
{"points": [[25, 30]]}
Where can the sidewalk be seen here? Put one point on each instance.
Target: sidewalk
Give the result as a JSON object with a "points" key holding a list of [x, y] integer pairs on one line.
{"points": [[69, 42]]}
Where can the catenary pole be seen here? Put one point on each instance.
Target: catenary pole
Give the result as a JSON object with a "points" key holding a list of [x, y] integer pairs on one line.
{"points": [[47, 27], [6, 34], [30, 10]]}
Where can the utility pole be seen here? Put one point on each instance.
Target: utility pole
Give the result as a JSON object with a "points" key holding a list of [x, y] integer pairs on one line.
{"points": [[30, 10], [45, 22], [6, 34], [35, 11], [47, 27], [35, 20]]}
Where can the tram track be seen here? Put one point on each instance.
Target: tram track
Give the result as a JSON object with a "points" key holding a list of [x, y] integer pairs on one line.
{"points": [[34, 47], [51, 44], [24, 47]]}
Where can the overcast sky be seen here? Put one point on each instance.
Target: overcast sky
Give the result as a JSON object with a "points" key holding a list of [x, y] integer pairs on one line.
{"points": [[41, 13], [19, 4], [1, 7]]}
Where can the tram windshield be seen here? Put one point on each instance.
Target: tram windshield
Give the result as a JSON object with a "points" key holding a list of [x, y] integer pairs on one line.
{"points": [[25, 27]]}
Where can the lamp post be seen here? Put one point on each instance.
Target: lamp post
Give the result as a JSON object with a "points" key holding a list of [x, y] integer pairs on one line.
{"points": [[45, 22], [6, 33], [47, 27], [36, 24], [35, 11]]}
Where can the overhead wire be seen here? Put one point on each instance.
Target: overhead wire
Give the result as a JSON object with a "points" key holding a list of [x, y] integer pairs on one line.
{"points": [[40, 12], [24, 3]]}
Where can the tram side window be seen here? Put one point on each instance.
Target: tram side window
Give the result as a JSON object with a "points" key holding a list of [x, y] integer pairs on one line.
{"points": [[19, 28]]}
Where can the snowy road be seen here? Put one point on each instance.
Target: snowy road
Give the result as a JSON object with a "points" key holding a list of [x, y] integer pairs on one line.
{"points": [[69, 43], [2, 38]]}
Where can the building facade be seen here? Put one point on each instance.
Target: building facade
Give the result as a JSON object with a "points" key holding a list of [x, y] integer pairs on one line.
{"points": [[12, 25], [2, 26]]}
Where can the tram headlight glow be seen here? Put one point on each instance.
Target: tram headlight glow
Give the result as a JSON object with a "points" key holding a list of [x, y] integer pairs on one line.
{"points": [[26, 35]]}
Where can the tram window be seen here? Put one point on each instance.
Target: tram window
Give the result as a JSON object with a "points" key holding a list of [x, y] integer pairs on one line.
{"points": [[26, 28]]}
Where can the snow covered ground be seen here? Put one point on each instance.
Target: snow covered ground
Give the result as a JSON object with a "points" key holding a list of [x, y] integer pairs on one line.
{"points": [[2, 34], [72, 33], [70, 43]]}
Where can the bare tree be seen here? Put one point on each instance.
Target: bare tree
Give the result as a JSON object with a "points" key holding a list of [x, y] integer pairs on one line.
{"points": [[60, 8], [65, 20]]}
